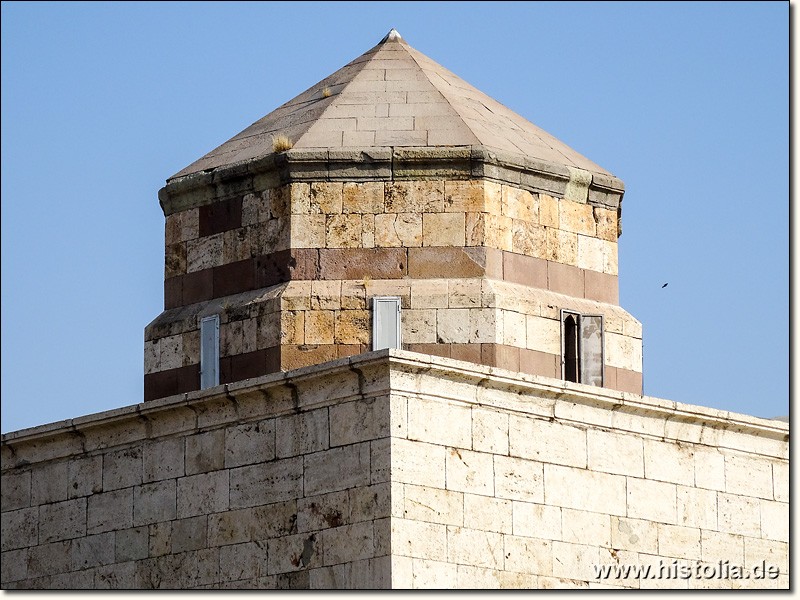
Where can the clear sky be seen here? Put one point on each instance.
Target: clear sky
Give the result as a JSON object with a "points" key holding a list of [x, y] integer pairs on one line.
{"points": [[687, 103]]}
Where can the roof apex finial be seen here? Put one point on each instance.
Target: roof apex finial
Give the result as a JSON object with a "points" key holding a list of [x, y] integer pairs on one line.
{"points": [[392, 36]]}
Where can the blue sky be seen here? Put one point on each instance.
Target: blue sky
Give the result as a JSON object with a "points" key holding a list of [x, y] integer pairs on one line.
{"points": [[687, 103]]}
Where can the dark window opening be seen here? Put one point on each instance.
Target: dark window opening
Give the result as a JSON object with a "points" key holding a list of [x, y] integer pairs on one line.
{"points": [[582, 342]]}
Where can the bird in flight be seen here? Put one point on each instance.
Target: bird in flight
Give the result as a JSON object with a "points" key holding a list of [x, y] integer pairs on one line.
{"points": [[665, 285]]}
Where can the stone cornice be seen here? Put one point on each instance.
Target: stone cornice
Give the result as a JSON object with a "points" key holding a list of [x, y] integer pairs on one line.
{"points": [[390, 164], [395, 371]]}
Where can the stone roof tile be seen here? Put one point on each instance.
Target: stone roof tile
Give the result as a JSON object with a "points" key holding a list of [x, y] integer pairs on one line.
{"points": [[393, 95]]}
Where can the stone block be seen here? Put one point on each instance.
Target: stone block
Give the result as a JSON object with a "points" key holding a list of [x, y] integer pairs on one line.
{"points": [[474, 547], [529, 239], [298, 198], [605, 223], [561, 246], [92, 551], [319, 327], [738, 515], [577, 217], [528, 555], [307, 231], [716, 547], [359, 421], [363, 198], [498, 232], [418, 539], [395, 230], [352, 327], [467, 471], [748, 476], [243, 561], [780, 478], [601, 287], [591, 253], [585, 490], [419, 326], [109, 511], [543, 335], [634, 535], [519, 204], [336, 469], [618, 453], [20, 528], [547, 441], [513, 329], [250, 443], [548, 211], [623, 352], [163, 460], [15, 488], [348, 543], [488, 514], [205, 452], [678, 542], [770, 551], [429, 293], [464, 196], [131, 544], [253, 524], [122, 468], [189, 534], [202, 494], [581, 527], [430, 574], [13, 567], [518, 479], [49, 483], [266, 483], [204, 253], [537, 520], [611, 260], [774, 520], [697, 507], [575, 561], [433, 505], [294, 553], [324, 511], [293, 327], [535, 362], [475, 229], [652, 500], [325, 295], [414, 197], [709, 469], [451, 262], [301, 433], [425, 419], [326, 197], [453, 326], [154, 502], [343, 231], [668, 461], [489, 431], [443, 229], [49, 559], [417, 463]]}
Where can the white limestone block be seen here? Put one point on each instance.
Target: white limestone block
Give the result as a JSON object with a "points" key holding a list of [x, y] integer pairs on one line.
{"points": [[474, 547], [697, 507], [581, 527], [675, 541], [528, 555], [620, 453], [433, 505], [546, 441], [537, 520], [518, 479], [668, 461], [487, 514], [417, 463], [652, 500], [635, 535], [439, 422], [748, 476], [467, 471], [489, 430], [418, 539], [584, 490]]}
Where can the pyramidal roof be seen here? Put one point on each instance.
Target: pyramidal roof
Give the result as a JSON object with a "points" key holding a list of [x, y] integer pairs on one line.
{"points": [[393, 96]]}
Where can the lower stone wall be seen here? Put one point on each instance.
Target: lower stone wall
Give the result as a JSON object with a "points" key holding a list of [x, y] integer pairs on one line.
{"points": [[393, 469], [529, 487]]}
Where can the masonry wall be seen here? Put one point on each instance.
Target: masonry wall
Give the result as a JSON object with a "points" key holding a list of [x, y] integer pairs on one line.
{"points": [[392, 469], [292, 270]]}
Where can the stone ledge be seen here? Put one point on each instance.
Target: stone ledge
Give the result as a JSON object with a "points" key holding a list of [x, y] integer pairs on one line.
{"points": [[386, 164], [371, 374]]}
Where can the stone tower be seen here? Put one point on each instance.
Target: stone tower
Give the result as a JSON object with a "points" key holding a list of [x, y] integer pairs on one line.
{"points": [[391, 204]]}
